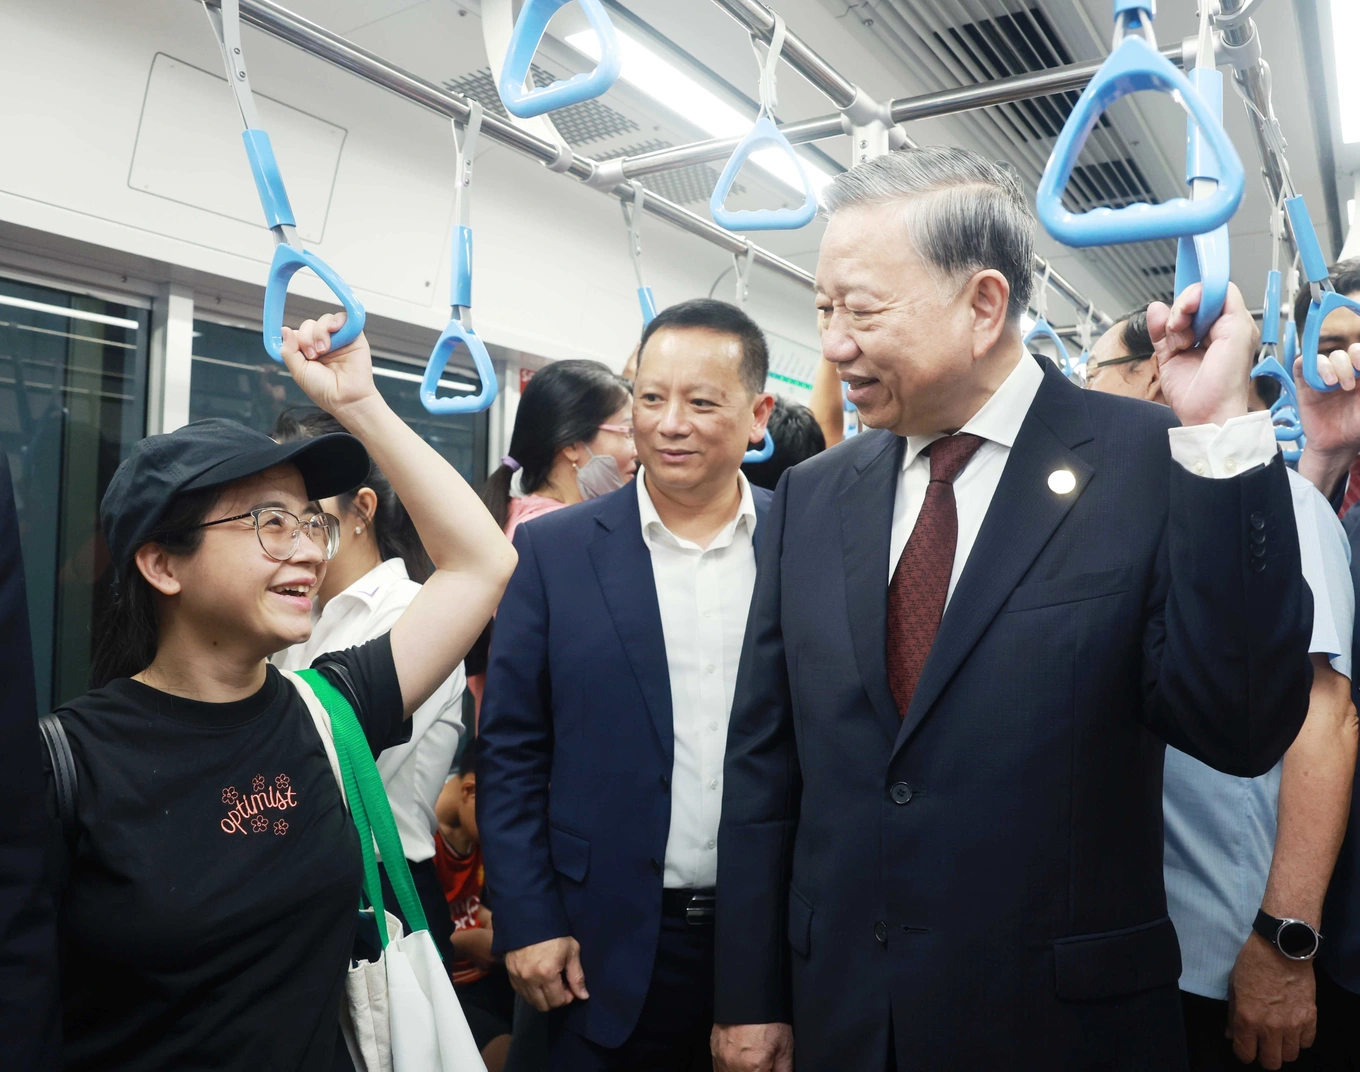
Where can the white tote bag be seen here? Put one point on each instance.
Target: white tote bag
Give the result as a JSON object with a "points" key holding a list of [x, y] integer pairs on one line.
{"points": [[400, 1013]]}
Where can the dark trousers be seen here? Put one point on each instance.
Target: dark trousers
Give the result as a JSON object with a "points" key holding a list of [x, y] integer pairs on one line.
{"points": [[673, 1029], [432, 901], [1338, 1042]]}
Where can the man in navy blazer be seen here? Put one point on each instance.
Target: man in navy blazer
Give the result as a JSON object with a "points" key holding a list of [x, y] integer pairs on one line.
{"points": [[956, 863], [604, 722]]}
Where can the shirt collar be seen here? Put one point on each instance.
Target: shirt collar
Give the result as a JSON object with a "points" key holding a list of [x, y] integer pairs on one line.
{"points": [[366, 588], [1001, 416], [652, 525]]}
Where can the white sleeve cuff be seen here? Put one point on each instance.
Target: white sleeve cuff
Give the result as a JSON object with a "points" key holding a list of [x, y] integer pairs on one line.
{"points": [[1242, 444]]}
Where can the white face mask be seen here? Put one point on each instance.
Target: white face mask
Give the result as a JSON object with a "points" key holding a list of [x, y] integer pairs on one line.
{"points": [[599, 476]]}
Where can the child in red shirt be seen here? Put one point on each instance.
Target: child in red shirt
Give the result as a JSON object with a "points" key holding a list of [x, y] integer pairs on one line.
{"points": [[479, 978]]}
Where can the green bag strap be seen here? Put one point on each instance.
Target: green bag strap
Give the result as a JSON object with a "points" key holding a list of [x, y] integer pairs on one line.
{"points": [[369, 807]]}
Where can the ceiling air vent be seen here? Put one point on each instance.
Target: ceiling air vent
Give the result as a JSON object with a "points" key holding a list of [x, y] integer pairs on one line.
{"points": [[1113, 183], [1019, 42], [685, 186], [580, 124]]}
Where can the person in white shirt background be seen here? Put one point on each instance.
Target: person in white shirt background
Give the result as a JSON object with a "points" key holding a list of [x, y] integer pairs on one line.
{"points": [[375, 574]]}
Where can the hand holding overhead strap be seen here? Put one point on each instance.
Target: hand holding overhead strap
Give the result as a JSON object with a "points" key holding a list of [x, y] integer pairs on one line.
{"points": [[1325, 299], [764, 135]]}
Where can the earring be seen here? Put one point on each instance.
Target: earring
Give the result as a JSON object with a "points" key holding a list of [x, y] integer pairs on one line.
{"points": [[358, 529]]}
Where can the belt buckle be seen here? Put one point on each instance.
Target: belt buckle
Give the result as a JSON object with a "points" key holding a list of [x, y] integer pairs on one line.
{"points": [[702, 909]]}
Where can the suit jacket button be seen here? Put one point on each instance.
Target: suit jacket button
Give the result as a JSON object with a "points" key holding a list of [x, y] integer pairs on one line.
{"points": [[656, 866], [881, 932], [1258, 565], [900, 792], [1258, 522]]}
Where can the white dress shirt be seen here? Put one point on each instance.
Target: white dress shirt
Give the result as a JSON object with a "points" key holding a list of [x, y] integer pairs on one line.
{"points": [[414, 772], [704, 594], [1206, 450]]}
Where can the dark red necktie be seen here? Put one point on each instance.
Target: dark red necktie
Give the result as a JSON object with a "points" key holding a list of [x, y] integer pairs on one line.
{"points": [[920, 584]]}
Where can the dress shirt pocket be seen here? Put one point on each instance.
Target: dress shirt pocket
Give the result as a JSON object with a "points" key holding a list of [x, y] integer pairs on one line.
{"points": [[570, 853], [800, 923], [1094, 967], [1074, 589]]}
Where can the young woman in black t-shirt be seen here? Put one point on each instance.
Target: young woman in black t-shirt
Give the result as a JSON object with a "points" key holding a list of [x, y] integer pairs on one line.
{"points": [[208, 900]]}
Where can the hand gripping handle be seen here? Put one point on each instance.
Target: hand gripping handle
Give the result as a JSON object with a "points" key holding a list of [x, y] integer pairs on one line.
{"points": [[530, 27], [763, 453], [454, 335], [764, 135], [288, 260], [1132, 67], [1318, 310], [1044, 330]]}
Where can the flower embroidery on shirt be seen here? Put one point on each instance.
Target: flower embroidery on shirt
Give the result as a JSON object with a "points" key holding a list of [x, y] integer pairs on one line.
{"points": [[247, 812]]}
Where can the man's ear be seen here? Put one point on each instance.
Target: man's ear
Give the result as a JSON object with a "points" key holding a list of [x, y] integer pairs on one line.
{"points": [[1153, 390], [761, 408], [989, 295], [155, 565], [366, 504], [468, 786]]}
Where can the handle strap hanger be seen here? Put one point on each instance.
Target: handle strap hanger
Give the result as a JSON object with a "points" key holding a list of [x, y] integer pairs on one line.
{"points": [[764, 134], [459, 330], [632, 216], [742, 263], [516, 73], [289, 256]]}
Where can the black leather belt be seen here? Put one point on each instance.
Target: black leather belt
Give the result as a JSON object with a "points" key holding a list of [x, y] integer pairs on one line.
{"points": [[695, 907]]}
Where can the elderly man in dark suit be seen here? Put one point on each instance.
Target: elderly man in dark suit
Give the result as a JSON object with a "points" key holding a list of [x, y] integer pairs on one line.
{"points": [[972, 632]]}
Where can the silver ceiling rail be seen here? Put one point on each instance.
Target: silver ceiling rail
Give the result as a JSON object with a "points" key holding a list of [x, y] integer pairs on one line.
{"points": [[288, 26], [906, 109], [1072, 294]]}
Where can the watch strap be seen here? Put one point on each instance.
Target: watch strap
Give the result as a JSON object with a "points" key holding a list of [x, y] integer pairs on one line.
{"points": [[1269, 927]]}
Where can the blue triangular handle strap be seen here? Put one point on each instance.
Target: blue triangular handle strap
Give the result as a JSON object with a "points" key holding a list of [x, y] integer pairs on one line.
{"points": [[1044, 330], [369, 807], [764, 135], [530, 26], [1270, 317], [1132, 67], [1291, 343], [763, 453], [1325, 299], [288, 260], [1204, 258], [647, 303], [455, 335]]}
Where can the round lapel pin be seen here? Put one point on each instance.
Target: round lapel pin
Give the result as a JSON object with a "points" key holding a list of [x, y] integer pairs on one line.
{"points": [[1061, 481]]}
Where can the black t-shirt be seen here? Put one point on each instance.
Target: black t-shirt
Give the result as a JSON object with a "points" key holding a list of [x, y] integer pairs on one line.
{"points": [[208, 915]]}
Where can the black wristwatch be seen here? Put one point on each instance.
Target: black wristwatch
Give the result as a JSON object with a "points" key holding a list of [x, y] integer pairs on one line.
{"points": [[1294, 938]]}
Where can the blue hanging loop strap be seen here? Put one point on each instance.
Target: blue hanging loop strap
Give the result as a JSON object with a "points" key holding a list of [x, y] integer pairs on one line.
{"points": [[289, 257], [1204, 258], [1042, 329], [742, 263], [1324, 299], [1135, 65], [632, 216], [524, 101], [459, 330], [764, 135]]}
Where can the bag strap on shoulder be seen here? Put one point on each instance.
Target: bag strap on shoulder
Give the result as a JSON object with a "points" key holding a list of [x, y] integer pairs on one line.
{"points": [[368, 805], [63, 772]]}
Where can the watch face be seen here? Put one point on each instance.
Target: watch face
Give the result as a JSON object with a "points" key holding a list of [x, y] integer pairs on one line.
{"points": [[1297, 940]]}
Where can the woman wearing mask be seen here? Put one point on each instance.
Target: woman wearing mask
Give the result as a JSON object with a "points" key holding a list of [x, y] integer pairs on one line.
{"points": [[209, 888], [376, 572], [573, 440]]}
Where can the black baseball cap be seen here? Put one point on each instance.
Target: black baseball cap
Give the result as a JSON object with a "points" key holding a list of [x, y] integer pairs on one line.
{"points": [[209, 454]]}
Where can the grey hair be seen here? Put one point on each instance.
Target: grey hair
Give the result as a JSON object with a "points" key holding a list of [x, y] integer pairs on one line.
{"points": [[976, 214]]}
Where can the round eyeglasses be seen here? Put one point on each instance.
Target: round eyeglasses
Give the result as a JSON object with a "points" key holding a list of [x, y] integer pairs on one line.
{"points": [[280, 531]]}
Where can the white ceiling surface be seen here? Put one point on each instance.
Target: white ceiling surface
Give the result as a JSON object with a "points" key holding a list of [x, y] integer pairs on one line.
{"points": [[441, 40]]}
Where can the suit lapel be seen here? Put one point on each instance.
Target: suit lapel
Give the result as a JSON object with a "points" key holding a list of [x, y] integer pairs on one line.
{"points": [[1023, 515], [623, 567], [866, 505]]}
